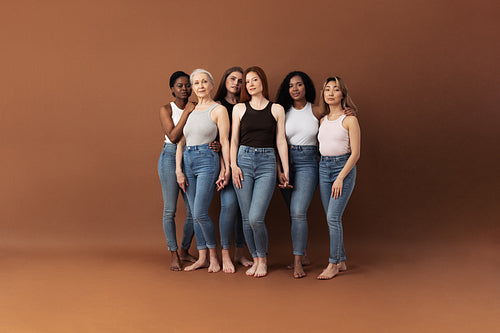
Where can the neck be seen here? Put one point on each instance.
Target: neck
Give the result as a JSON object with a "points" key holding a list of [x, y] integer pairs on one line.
{"points": [[336, 109], [299, 104], [258, 101], [231, 98], [181, 103], [205, 100]]}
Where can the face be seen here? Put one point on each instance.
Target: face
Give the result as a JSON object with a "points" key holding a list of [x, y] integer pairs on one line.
{"points": [[297, 89], [233, 82], [202, 85], [333, 94], [182, 88], [253, 84]]}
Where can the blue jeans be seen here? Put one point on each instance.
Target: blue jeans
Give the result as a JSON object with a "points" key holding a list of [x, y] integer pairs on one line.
{"points": [[230, 218], [201, 168], [329, 169], [304, 178], [258, 166], [170, 191]]}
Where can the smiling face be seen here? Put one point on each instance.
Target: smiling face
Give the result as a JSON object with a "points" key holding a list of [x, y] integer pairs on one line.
{"points": [[181, 88], [297, 89], [202, 85], [253, 84], [333, 94], [233, 82]]}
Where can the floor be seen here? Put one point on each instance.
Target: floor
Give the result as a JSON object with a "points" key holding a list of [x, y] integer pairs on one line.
{"points": [[393, 285]]}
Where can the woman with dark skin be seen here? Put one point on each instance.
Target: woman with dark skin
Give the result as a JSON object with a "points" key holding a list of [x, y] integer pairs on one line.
{"points": [[173, 117], [228, 94], [297, 94]]}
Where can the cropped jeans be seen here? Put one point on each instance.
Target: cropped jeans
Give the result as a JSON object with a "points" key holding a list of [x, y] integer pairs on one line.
{"points": [[201, 168], [304, 179], [230, 218], [170, 191], [258, 166], [329, 169]]}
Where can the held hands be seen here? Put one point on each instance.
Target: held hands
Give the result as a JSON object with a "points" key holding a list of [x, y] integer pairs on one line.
{"points": [[182, 181], [337, 188], [215, 146], [283, 181], [237, 176], [223, 179]]}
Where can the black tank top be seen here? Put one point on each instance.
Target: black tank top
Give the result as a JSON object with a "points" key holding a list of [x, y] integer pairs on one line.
{"points": [[258, 127]]}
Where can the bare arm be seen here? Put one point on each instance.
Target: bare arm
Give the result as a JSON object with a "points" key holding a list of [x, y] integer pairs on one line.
{"points": [[181, 179], [174, 132], [238, 112], [220, 117], [352, 125], [281, 144]]}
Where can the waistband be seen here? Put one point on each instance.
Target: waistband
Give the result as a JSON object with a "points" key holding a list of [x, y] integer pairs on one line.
{"points": [[248, 149], [338, 158], [198, 147], [301, 148]]}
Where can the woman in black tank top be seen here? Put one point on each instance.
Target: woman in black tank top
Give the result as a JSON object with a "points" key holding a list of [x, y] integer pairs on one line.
{"points": [[258, 128]]}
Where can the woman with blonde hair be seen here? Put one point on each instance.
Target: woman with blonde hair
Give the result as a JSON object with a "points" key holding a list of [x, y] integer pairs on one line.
{"points": [[339, 140], [258, 127], [198, 167]]}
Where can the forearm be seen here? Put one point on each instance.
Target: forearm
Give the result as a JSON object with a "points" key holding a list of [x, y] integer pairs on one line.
{"points": [[225, 153], [351, 162], [283, 155], [178, 156], [233, 152]]}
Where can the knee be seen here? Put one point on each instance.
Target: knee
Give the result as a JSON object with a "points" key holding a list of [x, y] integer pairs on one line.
{"points": [[255, 222]]}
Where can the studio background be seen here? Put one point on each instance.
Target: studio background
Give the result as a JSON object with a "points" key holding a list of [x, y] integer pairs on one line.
{"points": [[82, 83]]}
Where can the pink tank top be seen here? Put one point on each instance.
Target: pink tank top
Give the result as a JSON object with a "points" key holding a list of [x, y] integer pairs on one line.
{"points": [[333, 137]]}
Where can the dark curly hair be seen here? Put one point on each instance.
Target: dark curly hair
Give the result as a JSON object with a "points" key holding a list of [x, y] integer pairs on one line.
{"points": [[283, 96]]}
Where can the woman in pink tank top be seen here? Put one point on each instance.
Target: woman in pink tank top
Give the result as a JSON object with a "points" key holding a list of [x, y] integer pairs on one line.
{"points": [[339, 144]]}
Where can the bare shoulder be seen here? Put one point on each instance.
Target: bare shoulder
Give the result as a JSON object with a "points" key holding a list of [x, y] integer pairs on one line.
{"points": [[167, 108], [277, 107], [350, 121], [220, 109], [240, 107], [316, 111]]}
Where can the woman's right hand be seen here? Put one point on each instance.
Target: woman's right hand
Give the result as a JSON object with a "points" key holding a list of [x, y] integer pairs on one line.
{"points": [[189, 107], [182, 181], [283, 181], [237, 176]]}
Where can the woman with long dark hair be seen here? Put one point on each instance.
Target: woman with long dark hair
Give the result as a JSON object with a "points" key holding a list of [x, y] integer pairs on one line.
{"points": [[297, 94], [339, 144], [258, 127], [228, 94]]}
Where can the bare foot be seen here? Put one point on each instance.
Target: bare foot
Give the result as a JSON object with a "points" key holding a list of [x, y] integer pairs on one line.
{"points": [[214, 266], [200, 263], [251, 270], [329, 272], [298, 270], [227, 264], [342, 267], [185, 256], [175, 264], [261, 269], [239, 257], [305, 261]]}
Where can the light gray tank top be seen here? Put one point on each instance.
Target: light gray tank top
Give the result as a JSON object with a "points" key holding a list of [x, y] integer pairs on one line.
{"points": [[200, 129]]}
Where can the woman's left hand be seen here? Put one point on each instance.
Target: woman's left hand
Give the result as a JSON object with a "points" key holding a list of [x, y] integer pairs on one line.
{"points": [[215, 146], [223, 179], [337, 188], [283, 181]]}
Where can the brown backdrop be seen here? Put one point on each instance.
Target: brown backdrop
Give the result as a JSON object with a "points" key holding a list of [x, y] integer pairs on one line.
{"points": [[82, 84]]}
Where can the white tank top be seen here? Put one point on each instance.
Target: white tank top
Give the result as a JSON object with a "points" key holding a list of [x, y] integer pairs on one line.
{"points": [[176, 116], [333, 137], [301, 126]]}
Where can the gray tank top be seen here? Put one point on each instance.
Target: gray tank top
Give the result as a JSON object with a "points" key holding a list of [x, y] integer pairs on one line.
{"points": [[200, 129]]}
